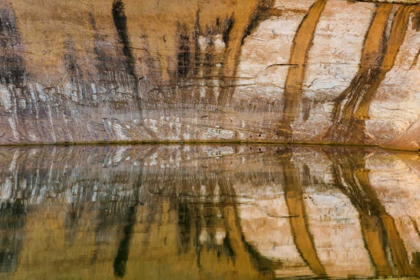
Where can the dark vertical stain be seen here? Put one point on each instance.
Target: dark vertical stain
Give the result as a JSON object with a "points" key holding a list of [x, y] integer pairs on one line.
{"points": [[71, 63], [296, 74], [306, 176], [74, 70], [13, 219], [415, 22], [234, 47], [12, 66], [261, 13], [372, 227], [120, 22], [149, 221], [194, 218], [416, 226], [415, 60], [306, 107], [72, 223], [13, 72], [92, 21], [206, 60], [120, 261], [112, 69], [198, 248], [105, 218], [298, 221], [196, 35], [378, 56], [185, 223], [228, 247], [193, 61], [227, 28], [241, 250], [378, 227], [209, 63], [184, 53]]}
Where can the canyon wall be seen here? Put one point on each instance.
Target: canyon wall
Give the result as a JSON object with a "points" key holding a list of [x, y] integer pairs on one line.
{"points": [[315, 71]]}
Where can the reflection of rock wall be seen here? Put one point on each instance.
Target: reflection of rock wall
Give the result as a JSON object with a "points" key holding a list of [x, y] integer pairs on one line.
{"points": [[248, 210], [258, 70]]}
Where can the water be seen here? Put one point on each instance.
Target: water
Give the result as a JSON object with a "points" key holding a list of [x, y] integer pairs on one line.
{"points": [[208, 212]]}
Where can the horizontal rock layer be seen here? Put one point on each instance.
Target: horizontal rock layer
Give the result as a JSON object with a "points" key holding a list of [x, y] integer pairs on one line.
{"points": [[327, 71]]}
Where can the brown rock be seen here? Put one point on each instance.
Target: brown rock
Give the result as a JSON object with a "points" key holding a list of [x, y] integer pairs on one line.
{"points": [[258, 70]]}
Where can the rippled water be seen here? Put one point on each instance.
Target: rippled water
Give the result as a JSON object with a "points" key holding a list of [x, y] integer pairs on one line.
{"points": [[208, 211]]}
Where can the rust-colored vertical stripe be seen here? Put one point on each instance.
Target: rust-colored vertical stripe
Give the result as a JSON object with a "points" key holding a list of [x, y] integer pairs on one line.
{"points": [[378, 227], [395, 41], [372, 227], [295, 77], [300, 228], [378, 56], [372, 233], [372, 57], [233, 51], [396, 244]]}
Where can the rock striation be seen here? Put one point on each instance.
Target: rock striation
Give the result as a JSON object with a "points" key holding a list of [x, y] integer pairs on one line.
{"points": [[313, 71]]}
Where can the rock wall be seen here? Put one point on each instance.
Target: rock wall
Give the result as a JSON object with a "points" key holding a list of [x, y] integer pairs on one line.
{"points": [[325, 71]]}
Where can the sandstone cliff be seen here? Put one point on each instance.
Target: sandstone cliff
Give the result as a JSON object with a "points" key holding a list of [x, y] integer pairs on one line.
{"points": [[234, 70]]}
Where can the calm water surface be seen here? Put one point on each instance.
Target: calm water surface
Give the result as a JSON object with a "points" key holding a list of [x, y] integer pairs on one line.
{"points": [[208, 212]]}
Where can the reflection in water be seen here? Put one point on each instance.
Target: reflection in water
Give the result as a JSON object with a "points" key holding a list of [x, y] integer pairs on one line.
{"points": [[208, 211], [378, 226], [298, 220]]}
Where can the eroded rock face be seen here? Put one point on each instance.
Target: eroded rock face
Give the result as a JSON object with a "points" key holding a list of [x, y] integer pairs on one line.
{"points": [[255, 70]]}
